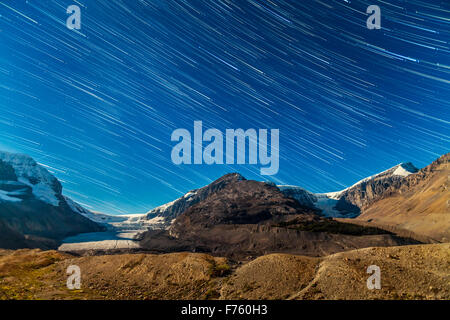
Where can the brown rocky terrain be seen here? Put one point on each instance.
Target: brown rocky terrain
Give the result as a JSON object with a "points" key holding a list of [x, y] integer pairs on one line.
{"points": [[419, 204], [407, 272]]}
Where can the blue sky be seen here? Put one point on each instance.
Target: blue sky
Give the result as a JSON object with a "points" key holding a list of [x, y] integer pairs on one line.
{"points": [[97, 106]]}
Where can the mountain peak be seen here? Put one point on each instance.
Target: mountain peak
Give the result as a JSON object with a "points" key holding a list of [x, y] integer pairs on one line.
{"points": [[173, 209], [231, 177], [404, 169], [20, 174]]}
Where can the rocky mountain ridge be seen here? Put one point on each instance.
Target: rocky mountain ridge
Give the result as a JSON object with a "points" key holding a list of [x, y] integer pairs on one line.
{"points": [[249, 218]]}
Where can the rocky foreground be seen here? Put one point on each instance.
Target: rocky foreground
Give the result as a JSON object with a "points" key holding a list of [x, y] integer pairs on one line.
{"points": [[407, 272]]}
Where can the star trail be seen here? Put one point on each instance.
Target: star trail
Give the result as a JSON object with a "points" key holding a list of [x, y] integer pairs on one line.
{"points": [[97, 106]]}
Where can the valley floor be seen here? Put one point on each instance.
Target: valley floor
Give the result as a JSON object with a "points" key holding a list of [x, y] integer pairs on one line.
{"points": [[407, 272]]}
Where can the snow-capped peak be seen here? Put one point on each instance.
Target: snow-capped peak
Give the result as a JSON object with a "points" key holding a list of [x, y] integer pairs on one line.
{"points": [[187, 197], [327, 201], [44, 186], [402, 170]]}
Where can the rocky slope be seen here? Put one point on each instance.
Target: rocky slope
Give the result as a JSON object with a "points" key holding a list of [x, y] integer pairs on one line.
{"points": [[350, 202], [369, 190], [10, 239], [407, 272], [173, 209], [248, 218], [32, 208], [420, 203]]}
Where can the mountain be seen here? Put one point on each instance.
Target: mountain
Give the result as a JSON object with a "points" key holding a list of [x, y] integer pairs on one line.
{"points": [[32, 208], [233, 212], [346, 203], [239, 202], [349, 203], [367, 191], [245, 218], [419, 202], [168, 212], [401, 198], [10, 239]]}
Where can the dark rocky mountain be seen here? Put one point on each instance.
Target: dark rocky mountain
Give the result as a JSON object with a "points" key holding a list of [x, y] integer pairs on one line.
{"points": [[33, 210], [247, 218], [240, 202]]}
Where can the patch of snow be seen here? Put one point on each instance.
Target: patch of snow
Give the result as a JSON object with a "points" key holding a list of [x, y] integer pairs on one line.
{"points": [[404, 169], [155, 220], [128, 223], [163, 207], [11, 183], [323, 201], [101, 218], [303, 196], [75, 206], [188, 197], [45, 193], [121, 231], [332, 195]]}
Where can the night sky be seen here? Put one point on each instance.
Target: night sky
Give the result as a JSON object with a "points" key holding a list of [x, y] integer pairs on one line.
{"points": [[97, 106]]}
